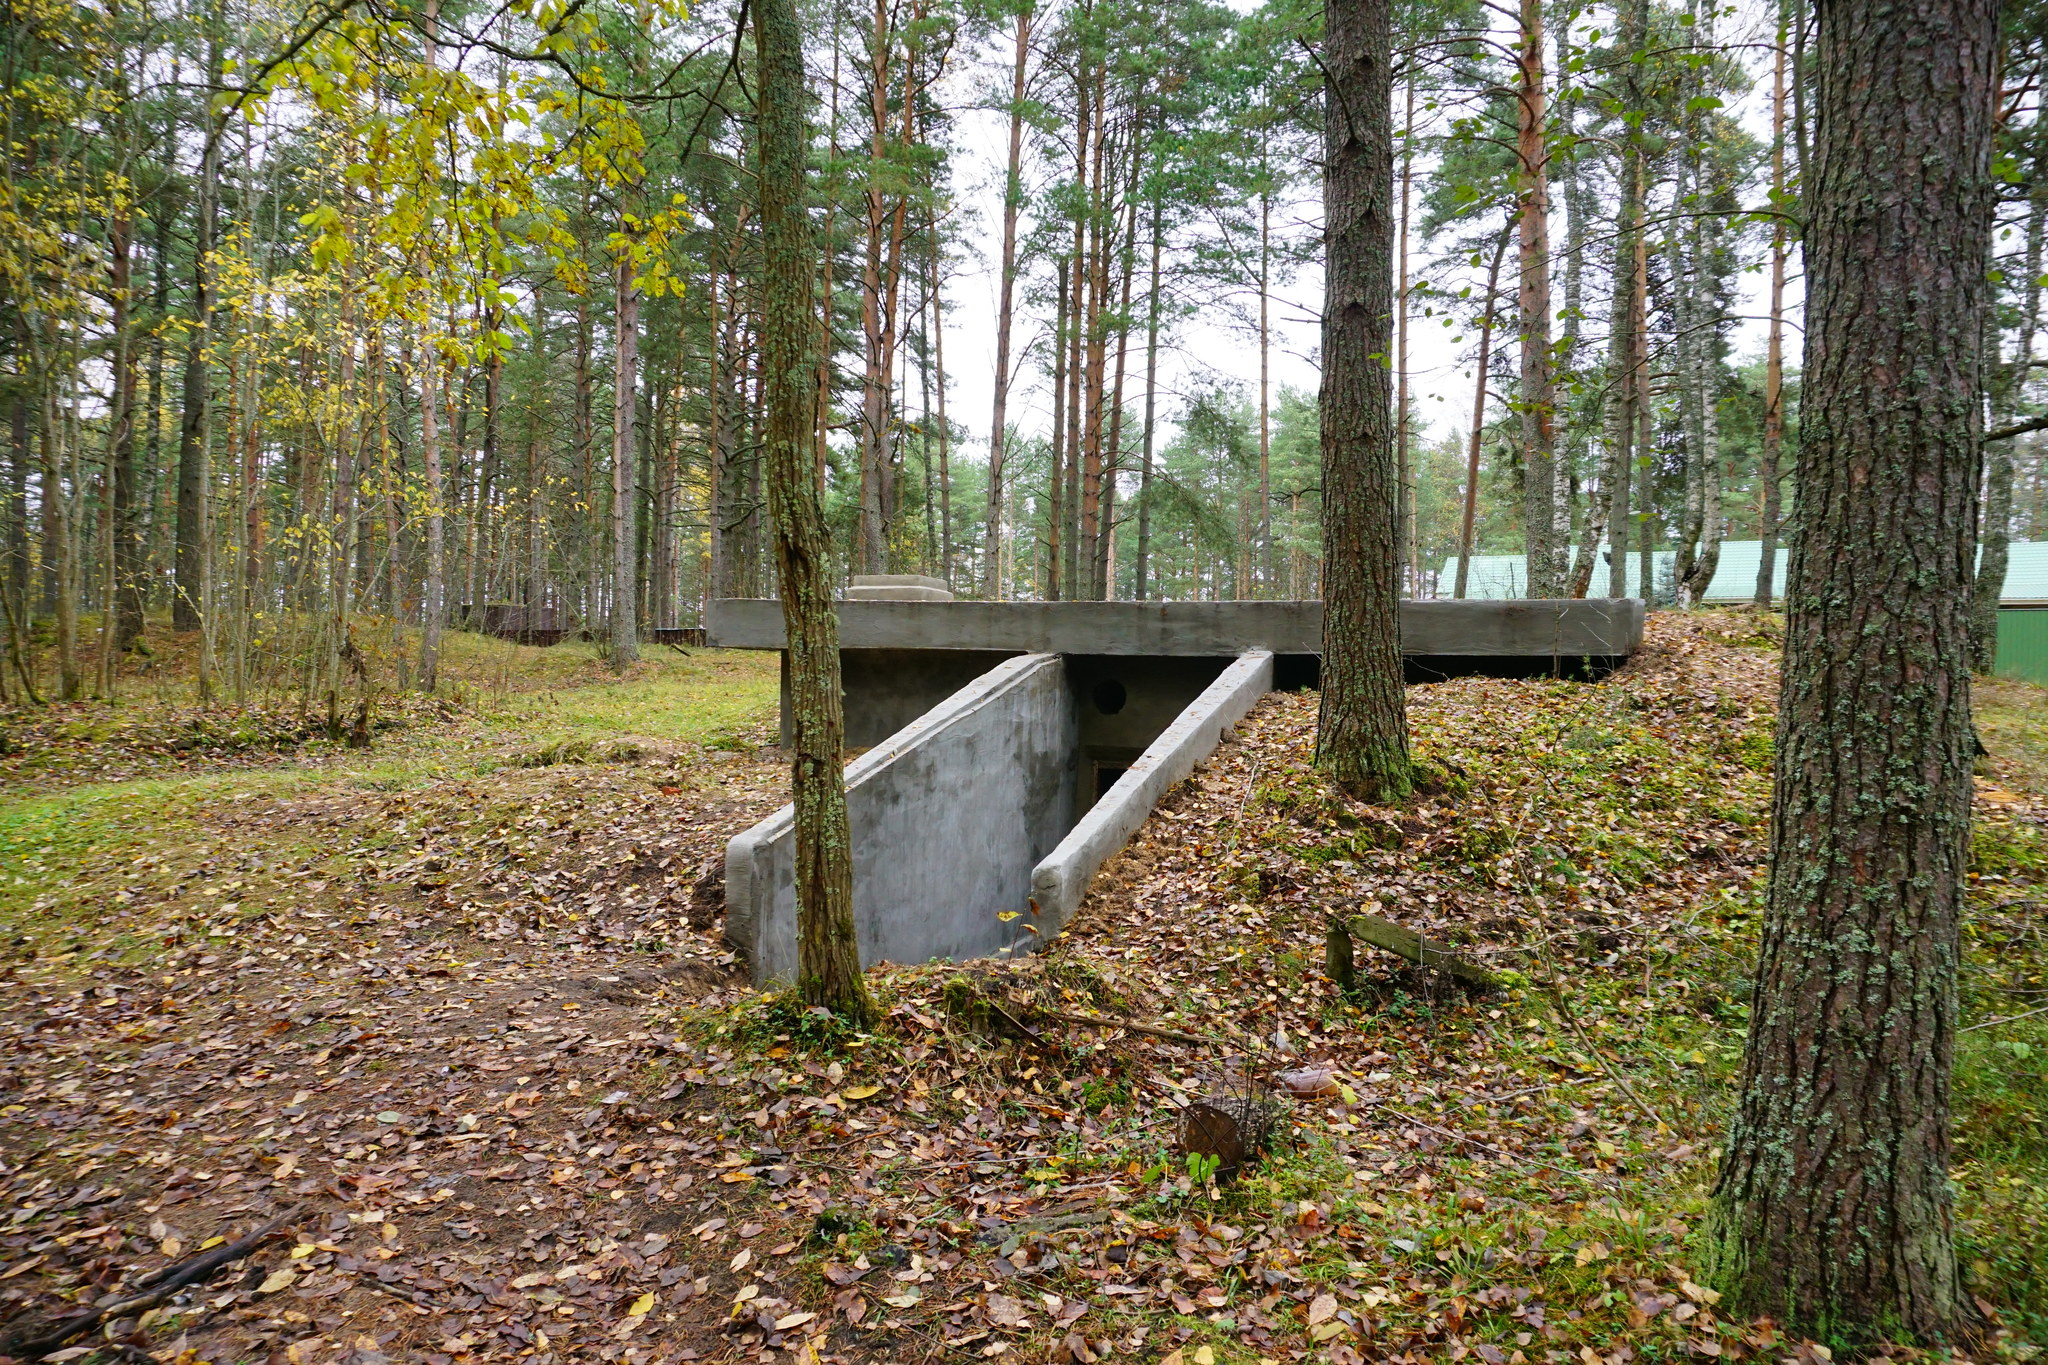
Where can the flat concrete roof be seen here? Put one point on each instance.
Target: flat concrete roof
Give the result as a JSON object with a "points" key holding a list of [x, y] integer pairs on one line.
{"points": [[1524, 628]]}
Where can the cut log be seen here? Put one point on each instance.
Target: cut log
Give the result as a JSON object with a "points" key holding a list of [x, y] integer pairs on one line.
{"points": [[1384, 933]]}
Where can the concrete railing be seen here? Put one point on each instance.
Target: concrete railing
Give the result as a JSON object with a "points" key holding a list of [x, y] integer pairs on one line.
{"points": [[1060, 882], [948, 815]]}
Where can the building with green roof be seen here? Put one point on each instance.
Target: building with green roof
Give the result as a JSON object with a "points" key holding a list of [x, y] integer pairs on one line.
{"points": [[2022, 617]]}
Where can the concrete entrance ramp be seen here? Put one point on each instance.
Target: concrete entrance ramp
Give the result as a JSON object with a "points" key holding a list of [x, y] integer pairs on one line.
{"points": [[1018, 745], [966, 841]]}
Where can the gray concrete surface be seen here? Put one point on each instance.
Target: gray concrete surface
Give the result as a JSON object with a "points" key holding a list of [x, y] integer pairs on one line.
{"points": [[1535, 628], [883, 690], [1059, 883], [949, 816]]}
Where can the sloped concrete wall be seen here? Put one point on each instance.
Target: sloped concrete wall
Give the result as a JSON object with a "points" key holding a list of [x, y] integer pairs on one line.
{"points": [[1059, 883], [949, 815]]}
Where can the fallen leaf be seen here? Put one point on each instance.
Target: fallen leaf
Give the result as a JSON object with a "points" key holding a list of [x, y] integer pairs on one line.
{"points": [[642, 1306]]}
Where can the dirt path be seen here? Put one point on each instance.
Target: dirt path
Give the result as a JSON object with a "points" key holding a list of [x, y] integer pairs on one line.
{"points": [[419, 1019]]}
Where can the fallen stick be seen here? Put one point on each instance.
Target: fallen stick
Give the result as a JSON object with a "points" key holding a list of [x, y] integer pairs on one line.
{"points": [[1130, 1025], [1384, 933], [155, 1289]]}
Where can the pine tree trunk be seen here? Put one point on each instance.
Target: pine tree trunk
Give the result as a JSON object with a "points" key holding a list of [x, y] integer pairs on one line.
{"points": [[1625, 343], [828, 958], [1057, 493], [1536, 399], [1772, 447], [625, 625], [1834, 1212], [1469, 514], [1142, 562], [1362, 726], [1013, 202], [194, 438], [129, 570]]}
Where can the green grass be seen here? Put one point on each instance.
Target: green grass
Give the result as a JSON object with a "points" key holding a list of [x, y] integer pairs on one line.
{"points": [[710, 697], [67, 850]]}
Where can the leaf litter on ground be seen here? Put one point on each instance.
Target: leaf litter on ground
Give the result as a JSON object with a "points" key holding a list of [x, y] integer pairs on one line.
{"points": [[487, 1034]]}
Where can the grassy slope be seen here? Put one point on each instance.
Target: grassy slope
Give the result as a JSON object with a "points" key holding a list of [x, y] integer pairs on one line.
{"points": [[1518, 1178], [68, 842]]}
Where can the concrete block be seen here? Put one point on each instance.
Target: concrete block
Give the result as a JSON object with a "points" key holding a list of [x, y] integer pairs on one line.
{"points": [[860, 592], [1059, 883], [898, 580], [949, 815]]}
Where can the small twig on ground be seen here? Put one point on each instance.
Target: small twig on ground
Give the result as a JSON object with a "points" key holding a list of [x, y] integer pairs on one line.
{"points": [[1132, 1026], [155, 1289], [2009, 1019]]}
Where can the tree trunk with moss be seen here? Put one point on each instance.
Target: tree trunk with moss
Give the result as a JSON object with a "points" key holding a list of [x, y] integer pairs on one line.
{"points": [[1362, 729], [828, 957], [1833, 1212]]}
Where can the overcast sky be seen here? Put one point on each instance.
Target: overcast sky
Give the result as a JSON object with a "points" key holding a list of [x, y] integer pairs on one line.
{"points": [[1441, 373]]}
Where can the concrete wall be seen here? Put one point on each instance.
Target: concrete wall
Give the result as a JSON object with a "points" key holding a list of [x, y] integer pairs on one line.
{"points": [[884, 690], [1060, 882], [949, 816], [1522, 629]]}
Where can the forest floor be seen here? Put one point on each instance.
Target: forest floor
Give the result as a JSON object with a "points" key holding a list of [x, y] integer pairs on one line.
{"points": [[458, 1007]]}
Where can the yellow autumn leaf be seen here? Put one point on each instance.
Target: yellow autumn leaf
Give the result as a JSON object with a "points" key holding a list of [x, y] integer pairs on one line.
{"points": [[642, 1306], [282, 1279], [864, 1092]]}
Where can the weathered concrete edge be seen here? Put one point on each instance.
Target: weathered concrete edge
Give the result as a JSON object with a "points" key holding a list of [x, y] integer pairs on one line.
{"points": [[1533, 628], [745, 851], [1060, 881]]}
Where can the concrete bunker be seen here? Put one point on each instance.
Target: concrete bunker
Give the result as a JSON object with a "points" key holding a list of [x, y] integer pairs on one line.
{"points": [[1012, 748]]}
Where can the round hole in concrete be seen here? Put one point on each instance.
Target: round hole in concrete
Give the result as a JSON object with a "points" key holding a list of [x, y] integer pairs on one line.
{"points": [[1110, 696]]}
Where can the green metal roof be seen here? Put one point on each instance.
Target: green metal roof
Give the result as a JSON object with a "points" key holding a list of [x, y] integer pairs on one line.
{"points": [[1498, 576]]}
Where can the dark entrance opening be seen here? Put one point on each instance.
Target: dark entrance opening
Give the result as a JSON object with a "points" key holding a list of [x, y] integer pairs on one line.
{"points": [[1106, 775]]}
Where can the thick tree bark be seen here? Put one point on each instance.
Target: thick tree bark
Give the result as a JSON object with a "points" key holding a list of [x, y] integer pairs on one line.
{"points": [[828, 958], [1362, 727], [1833, 1211]]}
